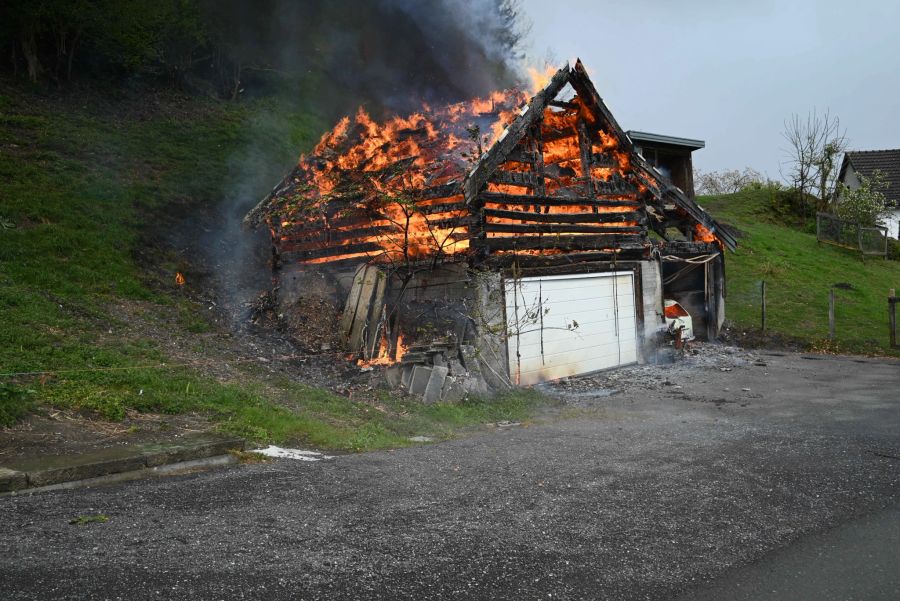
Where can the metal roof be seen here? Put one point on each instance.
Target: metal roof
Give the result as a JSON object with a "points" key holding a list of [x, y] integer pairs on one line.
{"points": [[643, 136]]}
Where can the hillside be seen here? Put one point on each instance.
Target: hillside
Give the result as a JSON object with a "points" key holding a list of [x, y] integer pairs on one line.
{"points": [[799, 273], [105, 195]]}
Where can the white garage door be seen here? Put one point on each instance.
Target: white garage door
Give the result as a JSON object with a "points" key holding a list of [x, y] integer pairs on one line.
{"points": [[566, 325]]}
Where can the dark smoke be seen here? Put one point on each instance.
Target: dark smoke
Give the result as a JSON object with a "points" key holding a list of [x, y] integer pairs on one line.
{"points": [[326, 57]]}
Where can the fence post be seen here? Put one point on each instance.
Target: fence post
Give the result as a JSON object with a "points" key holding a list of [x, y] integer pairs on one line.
{"points": [[763, 306], [831, 313], [892, 317]]}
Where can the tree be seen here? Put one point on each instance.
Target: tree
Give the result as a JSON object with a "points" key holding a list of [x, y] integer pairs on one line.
{"points": [[728, 181], [813, 146], [864, 205]]}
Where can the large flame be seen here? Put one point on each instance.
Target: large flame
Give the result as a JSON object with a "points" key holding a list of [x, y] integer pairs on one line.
{"points": [[390, 191]]}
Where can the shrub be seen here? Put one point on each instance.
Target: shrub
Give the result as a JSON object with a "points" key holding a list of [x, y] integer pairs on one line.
{"points": [[15, 403]]}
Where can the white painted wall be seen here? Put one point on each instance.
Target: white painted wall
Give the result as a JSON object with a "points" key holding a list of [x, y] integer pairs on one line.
{"points": [[892, 223]]}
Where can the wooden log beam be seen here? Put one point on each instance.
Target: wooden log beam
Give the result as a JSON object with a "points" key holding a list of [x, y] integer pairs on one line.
{"points": [[441, 190], [538, 165], [332, 237], [554, 201], [332, 251], [599, 242], [522, 155], [562, 104], [584, 147], [514, 178], [567, 260], [444, 207], [556, 228], [565, 217]]}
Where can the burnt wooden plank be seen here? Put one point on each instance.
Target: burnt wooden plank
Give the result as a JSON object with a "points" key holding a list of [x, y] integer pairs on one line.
{"points": [[514, 178], [556, 228], [352, 303], [451, 222], [562, 104], [615, 185], [324, 236], [444, 207], [598, 242], [374, 325], [538, 165], [554, 201], [591, 259], [554, 134], [370, 277], [584, 147], [565, 217], [603, 160], [522, 155], [439, 191], [332, 251]]}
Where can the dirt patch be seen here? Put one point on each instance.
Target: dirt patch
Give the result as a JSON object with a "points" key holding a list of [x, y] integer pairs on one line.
{"points": [[52, 432]]}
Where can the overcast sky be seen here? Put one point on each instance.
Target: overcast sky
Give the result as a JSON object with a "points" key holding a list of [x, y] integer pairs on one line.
{"points": [[730, 71]]}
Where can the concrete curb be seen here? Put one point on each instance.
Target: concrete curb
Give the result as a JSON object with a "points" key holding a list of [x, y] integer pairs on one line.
{"points": [[117, 464]]}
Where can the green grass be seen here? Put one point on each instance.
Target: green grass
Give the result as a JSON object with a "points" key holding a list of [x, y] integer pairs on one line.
{"points": [[81, 180], [84, 520], [799, 273]]}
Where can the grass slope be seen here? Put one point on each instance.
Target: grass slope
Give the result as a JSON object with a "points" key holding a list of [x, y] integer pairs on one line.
{"points": [[80, 177], [799, 273]]}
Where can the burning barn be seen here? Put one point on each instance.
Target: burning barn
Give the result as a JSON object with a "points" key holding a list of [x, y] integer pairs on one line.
{"points": [[501, 241]]}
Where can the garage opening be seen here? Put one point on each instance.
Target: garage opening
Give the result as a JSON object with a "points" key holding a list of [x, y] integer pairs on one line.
{"points": [[567, 325]]}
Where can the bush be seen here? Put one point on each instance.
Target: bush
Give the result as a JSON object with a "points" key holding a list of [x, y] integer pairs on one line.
{"points": [[894, 249], [790, 207], [15, 403]]}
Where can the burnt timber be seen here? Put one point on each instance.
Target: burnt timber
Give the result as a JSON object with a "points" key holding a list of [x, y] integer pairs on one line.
{"points": [[562, 178]]}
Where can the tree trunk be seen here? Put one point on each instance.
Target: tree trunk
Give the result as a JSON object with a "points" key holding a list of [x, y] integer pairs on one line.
{"points": [[235, 90], [31, 58], [71, 56]]}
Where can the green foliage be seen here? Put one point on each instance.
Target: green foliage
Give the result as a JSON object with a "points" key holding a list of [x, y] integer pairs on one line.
{"points": [[864, 205], [799, 273], [84, 520], [15, 403]]}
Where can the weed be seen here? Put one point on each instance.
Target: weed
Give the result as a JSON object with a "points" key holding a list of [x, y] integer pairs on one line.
{"points": [[248, 457], [84, 520], [15, 403]]}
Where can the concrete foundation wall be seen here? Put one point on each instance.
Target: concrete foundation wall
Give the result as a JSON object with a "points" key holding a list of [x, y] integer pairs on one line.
{"points": [[652, 303], [492, 332]]}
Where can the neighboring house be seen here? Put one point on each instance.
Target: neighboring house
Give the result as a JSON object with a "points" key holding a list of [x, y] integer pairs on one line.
{"points": [[670, 155], [866, 163], [546, 244]]}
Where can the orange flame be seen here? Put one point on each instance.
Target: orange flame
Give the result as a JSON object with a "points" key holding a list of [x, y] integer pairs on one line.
{"points": [[384, 353], [179, 278], [540, 79]]}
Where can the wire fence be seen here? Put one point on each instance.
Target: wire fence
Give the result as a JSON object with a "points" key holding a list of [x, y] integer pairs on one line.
{"points": [[869, 240], [841, 313]]}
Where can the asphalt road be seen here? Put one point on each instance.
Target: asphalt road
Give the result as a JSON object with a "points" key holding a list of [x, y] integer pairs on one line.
{"points": [[653, 483]]}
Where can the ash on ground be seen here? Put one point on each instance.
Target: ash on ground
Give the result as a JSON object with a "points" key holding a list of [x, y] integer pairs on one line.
{"points": [[694, 365]]}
